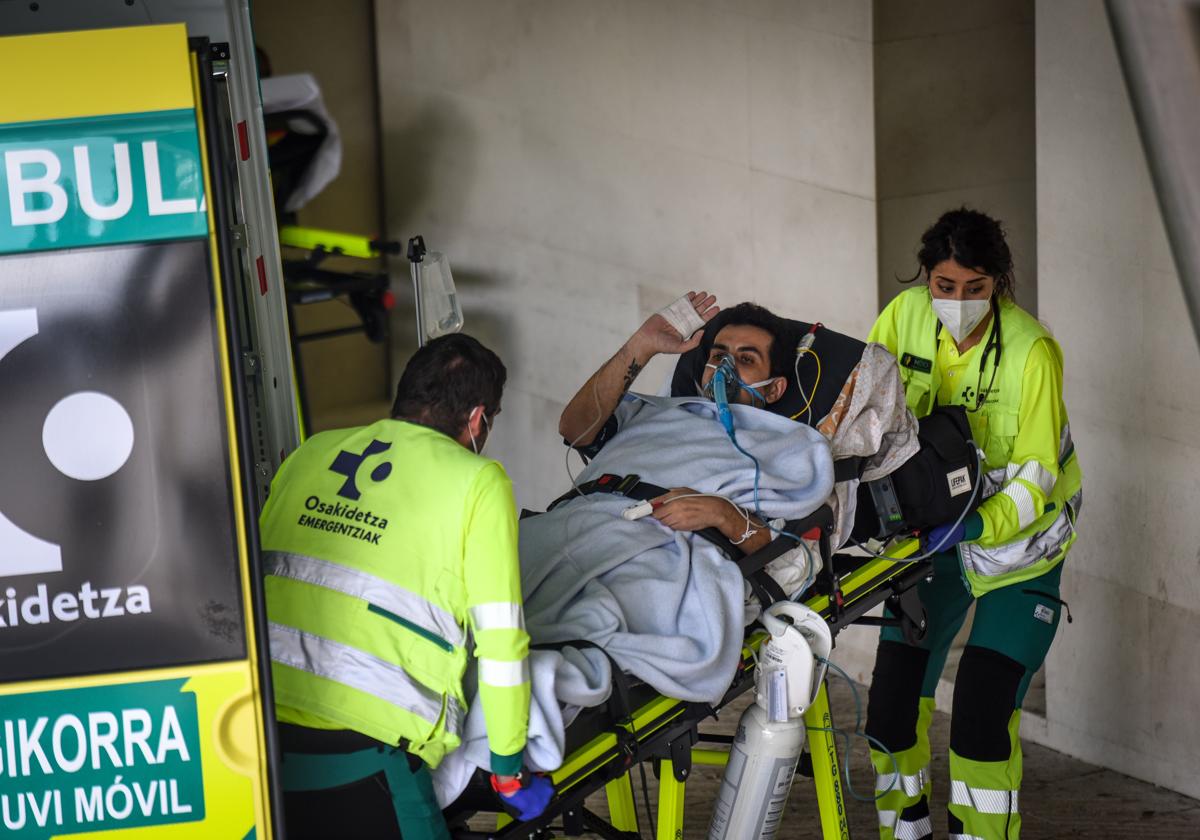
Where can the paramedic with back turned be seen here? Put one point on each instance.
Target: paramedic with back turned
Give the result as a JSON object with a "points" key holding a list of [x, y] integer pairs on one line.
{"points": [[385, 548]]}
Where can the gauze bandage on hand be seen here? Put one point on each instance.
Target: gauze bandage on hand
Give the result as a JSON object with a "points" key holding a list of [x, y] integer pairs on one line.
{"points": [[683, 317]]}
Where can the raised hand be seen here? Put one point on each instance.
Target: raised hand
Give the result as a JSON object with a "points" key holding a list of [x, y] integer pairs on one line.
{"points": [[584, 415], [657, 335]]}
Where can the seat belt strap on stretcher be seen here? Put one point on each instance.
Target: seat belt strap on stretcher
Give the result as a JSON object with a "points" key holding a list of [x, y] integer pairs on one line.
{"points": [[630, 486], [848, 469]]}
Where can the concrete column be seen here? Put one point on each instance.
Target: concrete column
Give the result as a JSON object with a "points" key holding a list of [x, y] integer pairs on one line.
{"points": [[954, 125], [1122, 681]]}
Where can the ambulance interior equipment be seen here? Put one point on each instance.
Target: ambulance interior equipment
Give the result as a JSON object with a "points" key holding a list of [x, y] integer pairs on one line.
{"points": [[304, 150], [640, 725], [310, 278], [303, 141], [434, 296]]}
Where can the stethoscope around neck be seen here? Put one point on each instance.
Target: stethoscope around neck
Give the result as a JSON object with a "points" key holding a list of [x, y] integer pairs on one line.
{"points": [[994, 342]]}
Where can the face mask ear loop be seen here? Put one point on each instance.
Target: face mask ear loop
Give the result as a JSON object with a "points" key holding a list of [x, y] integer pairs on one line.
{"points": [[752, 389], [474, 448], [754, 394]]}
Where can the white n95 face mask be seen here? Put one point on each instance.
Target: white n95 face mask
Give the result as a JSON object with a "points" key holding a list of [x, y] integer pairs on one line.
{"points": [[961, 316]]}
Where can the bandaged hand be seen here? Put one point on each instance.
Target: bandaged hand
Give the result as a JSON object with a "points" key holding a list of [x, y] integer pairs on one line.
{"points": [[659, 335]]}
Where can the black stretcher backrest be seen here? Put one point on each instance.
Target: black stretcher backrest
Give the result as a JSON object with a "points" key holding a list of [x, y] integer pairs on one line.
{"points": [[838, 353]]}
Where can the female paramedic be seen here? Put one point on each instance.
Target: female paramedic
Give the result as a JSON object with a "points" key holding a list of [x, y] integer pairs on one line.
{"points": [[962, 340]]}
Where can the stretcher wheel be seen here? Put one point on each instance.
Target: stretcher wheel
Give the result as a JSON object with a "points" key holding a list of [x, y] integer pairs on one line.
{"points": [[914, 627]]}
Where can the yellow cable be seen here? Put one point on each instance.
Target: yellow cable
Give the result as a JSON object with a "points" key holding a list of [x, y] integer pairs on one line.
{"points": [[816, 382]]}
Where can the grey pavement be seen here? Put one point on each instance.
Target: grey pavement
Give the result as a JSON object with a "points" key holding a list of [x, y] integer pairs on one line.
{"points": [[1061, 797]]}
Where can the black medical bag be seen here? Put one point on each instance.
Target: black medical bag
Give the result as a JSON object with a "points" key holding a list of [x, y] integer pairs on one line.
{"points": [[931, 488]]}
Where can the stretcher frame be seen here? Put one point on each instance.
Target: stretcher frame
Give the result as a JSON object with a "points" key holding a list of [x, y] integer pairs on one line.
{"points": [[666, 731]]}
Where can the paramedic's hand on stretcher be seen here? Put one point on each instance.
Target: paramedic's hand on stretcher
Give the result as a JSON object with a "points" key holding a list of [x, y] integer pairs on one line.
{"points": [[946, 537], [530, 799], [695, 513]]}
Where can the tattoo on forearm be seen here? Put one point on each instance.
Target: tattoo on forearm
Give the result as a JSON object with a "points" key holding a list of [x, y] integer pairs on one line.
{"points": [[630, 375]]}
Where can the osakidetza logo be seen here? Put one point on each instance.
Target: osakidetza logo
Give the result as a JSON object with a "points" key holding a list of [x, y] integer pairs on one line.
{"points": [[86, 436], [342, 516]]}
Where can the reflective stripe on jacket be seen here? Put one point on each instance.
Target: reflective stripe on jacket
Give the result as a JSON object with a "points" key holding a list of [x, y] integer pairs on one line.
{"points": [[383, 546], [1034, 488]]}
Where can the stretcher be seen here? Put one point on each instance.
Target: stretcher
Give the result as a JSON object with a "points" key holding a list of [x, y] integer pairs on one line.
{"points": [[309, 279], [638, 725]]}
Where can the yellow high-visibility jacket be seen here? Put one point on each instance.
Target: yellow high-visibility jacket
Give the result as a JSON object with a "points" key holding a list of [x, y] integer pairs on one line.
{"points": [[383, 546], [1033, 478]]}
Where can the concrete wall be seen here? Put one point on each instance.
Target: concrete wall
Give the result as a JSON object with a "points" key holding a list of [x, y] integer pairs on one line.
{"points": [[335, 43], [1122, 681], [954, 125], [585, 163]]}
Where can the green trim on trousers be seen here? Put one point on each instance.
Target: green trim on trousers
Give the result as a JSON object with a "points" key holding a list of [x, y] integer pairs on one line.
{"points": [[984, 794], [1005, 620], [904, 784]]}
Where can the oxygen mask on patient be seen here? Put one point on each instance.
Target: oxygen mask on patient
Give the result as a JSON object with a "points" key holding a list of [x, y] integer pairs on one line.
{"points": [[717, 389], [724, 375]]}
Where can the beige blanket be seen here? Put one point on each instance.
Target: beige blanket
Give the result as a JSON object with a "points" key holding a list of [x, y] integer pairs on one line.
{"points": [[870, 419]]}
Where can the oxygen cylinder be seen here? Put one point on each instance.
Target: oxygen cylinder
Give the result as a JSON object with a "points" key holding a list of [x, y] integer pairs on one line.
{"points": [[770, 734], [758, 778]]}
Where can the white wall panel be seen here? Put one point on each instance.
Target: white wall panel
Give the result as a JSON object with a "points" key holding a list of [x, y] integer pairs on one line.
{"points": [[1122, 681], [584, 164]]}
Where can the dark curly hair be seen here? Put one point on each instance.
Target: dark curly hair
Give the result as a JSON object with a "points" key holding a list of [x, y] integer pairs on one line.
{"points": [[445, 380], [972, 239], [753, 315]]}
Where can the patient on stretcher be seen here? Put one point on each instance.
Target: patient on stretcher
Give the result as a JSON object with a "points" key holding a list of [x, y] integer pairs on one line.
{"points": [[757, 369], [662, 601], [858, 406]]}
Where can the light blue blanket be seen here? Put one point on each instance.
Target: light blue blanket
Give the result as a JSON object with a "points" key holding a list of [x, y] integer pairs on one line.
{"points": [[665, 605]]}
